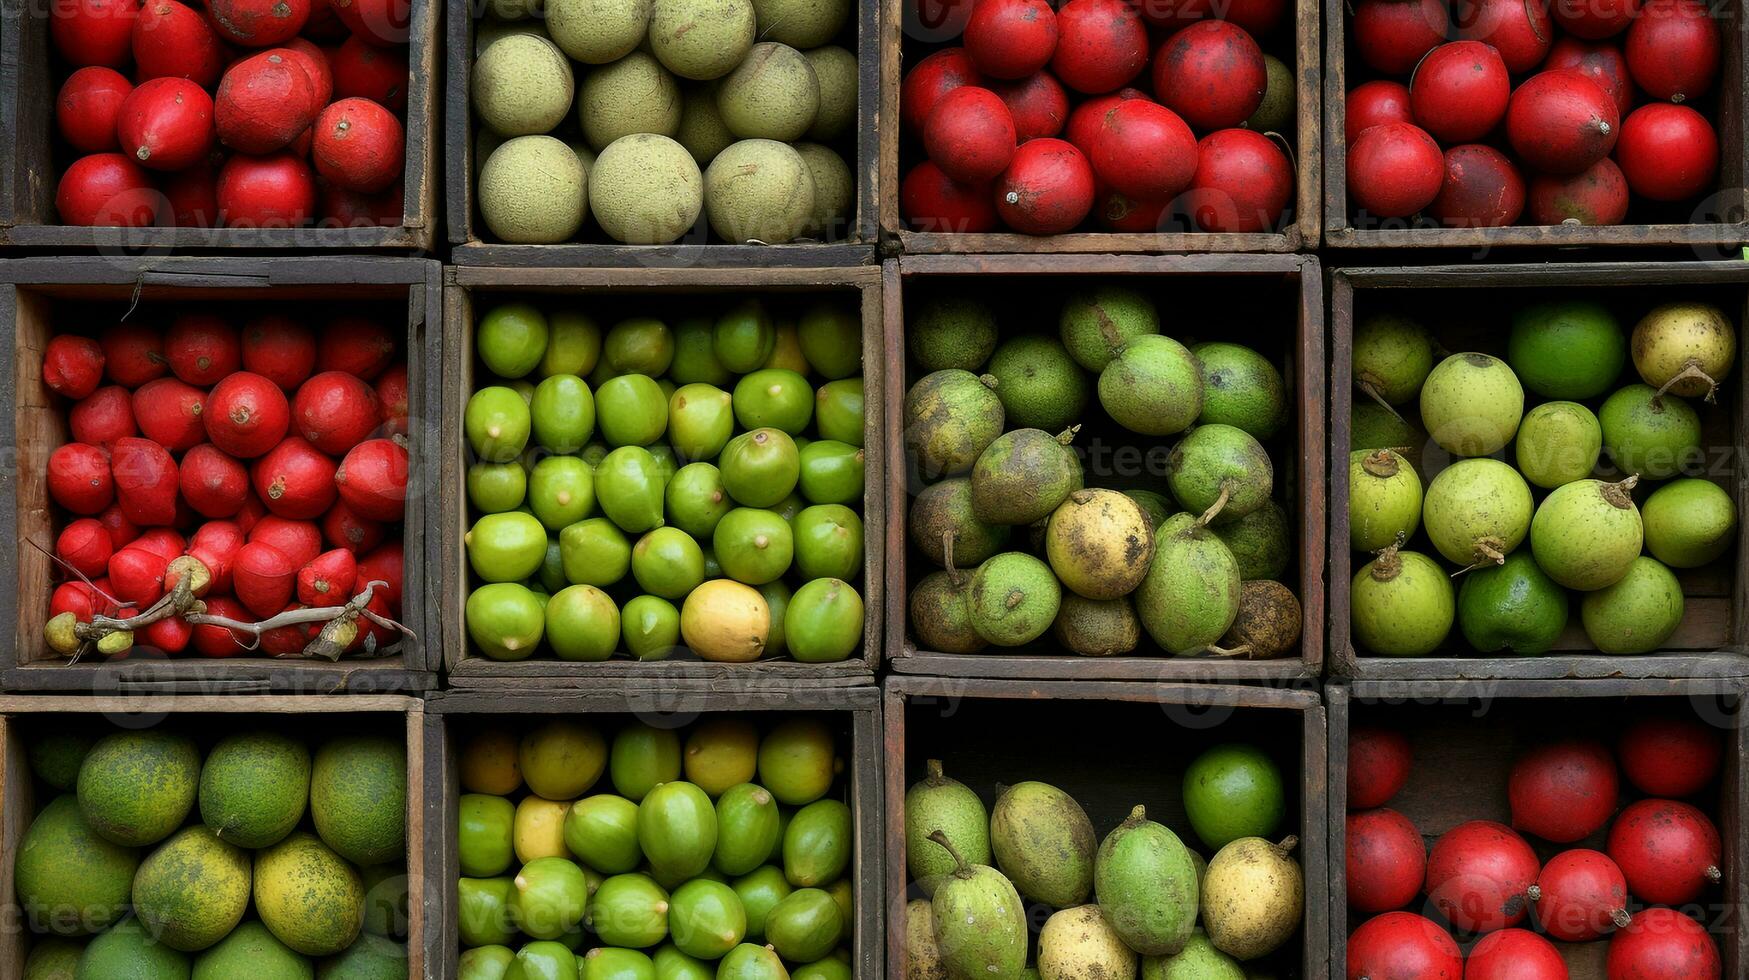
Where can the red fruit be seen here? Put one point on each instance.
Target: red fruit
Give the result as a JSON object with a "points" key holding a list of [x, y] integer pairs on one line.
{"points": [[1668, 152], [85, 545], [1211, 73], [1561, 122], [970, 134], [161, 541], [167, 124], [1673, 49], [1378, 765], [351, 209], [1403, 945], [1663, 944], [263, 577], [1598, 196], [1593, 20], [373, 480], [1514, 954], [379, 22], [1145, 150], [1667, 850], [1478, 874], [1518, 29], [220, 641], [146, 481], [1564, 791], [93, 32], [344, 529], [1580, 895], [259, 23], [264, 102], [1482, 189], [335, 411], [136, 575], [1011, 38], [168, 411], [1117, 211], [358, 145], [103, 417], [133, 354], [246, 414], [391, 396], [72, 365], [169, 635], [216, 544], [1391, 36], [171, 40], [109, 190], [367, 72], [192, 198], [929, 80], [1038, 104], [384, 565], [932, 201], [79, 478], [1394, 170], [202, 348], [1243, 182], [122, 532], [294, 480], [265, 192], [286, 641], [1101, 45], [86, 109], [77, 598], [1375, 103], [301, 541], [315, 64], [1386, 859], [357, 345], [1459, 91], [1047, 188], [1089, 117], [214, 484], [1670, 756], [1602, 62], [327, 581], [279, 349], [1257, 17]]}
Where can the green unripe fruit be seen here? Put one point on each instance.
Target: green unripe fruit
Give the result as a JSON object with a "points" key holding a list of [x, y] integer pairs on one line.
{"points": [[695, 360], [940, 616], [561, 491], [1689, 522], [1558, 442], [667, 562], [1153, 386], [582, 624], [754, 546], [633, 410], [505, 620], [1013, 599], [1221, 471], [1233, 791], [1401, 605], [1241, 388], [761, 467], [496, 487], [937, 802], [823, 621], [506, 547], [1587, 533], [697, 500], [744, 337], [838, 411], [594, 552], [774, 397], [951, 416], [1384, 500], [1044, 843], [1571, 349], [951, 331], [563, 413], [945, 512], [1099, 322], [1039, 385], [1392, 357], [1512, 606], [497, 423], [1477, 511], [629, 486], [1471, 404], [639, 345], [1638, 613], [1648, 435]]}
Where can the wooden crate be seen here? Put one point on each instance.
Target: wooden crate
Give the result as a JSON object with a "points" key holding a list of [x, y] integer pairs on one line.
{"points": [[1714, 635], [208, 718], [1299, 231], [31, 293], [857, 710], [33, 158], [1284, 286], [1099, 742], [695, 250], [1713, 227], [465, 284], [1466, 734]]}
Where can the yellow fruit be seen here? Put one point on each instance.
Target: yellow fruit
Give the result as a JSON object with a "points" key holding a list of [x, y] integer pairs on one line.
{"points": [[562, 759], [797, 761], [489, 764], [720, 753], [539, 829], [726, 621]]}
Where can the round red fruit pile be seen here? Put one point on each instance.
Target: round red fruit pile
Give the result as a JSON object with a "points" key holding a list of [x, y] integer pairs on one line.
{"points": [[272, 454], [236, 113], [1496, 112], [1483, 878], [1042, 117]]}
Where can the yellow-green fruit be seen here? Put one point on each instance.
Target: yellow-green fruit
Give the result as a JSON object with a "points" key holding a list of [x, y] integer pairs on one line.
{"points": [[633, 95], [759, 190], [1587, 533], [923, 953], [358, 797], [1637, 614], [135, 788], [644, 757], [720, 753], [52, 959], [1476, 511], [1384, 499], [561, 759], [533, 191], [773, 94], [701, 39], [69, 880], [1252, 897], [538, 829], [801, 23], [596, 32], [1688, 346], [192, 890], [1044, 843], [1402, 604], [1099, 543], [797, 761], [646, 189], [1689, 522], [1078, 944], [834, 191], [522, 85], [702, 130], [254, 787], [835, 68], [1471, 404], [1558, 442], [310, 898]]}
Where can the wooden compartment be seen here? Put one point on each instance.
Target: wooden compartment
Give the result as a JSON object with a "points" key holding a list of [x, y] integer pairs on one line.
{"points": [[1465, 735], [854, 714], [1713, 226], [905, 42], [34, 156], [470, 287], [1714, 635], [207, 719], [1274, 303], [699, 248], [38, 295], [1100, 742]]}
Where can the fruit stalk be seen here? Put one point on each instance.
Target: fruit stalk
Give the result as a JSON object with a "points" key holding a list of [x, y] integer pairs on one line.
{"points": [[962, 869]]}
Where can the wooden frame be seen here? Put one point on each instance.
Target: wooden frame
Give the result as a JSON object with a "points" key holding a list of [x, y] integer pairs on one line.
{"points": [[1304, 372], [1586, 959], [1298, 235], [32, 427], [463, 283], [28, 175], [16, 793], [1725, 207], [1715, 632], [692, 251], [861, 705], [1194, 704]]}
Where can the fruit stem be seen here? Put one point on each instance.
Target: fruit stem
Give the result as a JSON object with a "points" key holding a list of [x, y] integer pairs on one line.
{"points": [[1372, 392], [1287, 845], [1620, 917], [936, 776], [1713, 874], [1381, 463], [1487, 553], [1388, 564], [1068, 435], [1242, 651], [1138, 814], [963, 870], [1619, 494], [953, 574], [1691, 371], [1534, 893], [988, 380], [1215, 508]]}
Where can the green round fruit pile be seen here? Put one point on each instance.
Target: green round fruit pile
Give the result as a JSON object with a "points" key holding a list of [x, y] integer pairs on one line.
{"points": [[1518, 512], [718, 851], [152, 857], [1192, 552], [1138, 901], [697, 492]]}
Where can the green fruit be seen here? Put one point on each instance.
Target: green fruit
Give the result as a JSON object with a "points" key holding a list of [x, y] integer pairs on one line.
{"points": [[607, 963], [805, 926], [705, 919], [1153, 386], [136, 788], [750, 962], [633, 410], [831, 968], [252, 951], [512, 338], [370, 958], [573, 344], [385, 899], [700, 41], [639, 345], [747, 829], [1198, 960], [817, 844], [649, 627], [629, 910], [671, 964], [1221, 471], [695, 362], [561, 491], [485, 963], [1097, 323], [945, 512], [629, 487], [1147, 885], [496, 487], [1040, 386], [602, 831], [1586, 534], [830, 334], [1471, 404], [582, 624], [759, 893], [1638, 613], [700, 420], [668, 563], [1384, 499], [1260, 542], [1401, 604], [130, 952], [823, 622], [192, 890], [951, 332], [1477, 511], [594, 552], [754, 546], [940, 617], [797, 760], [1558, 442], [1512, 606], [760, 467], [979, 923], [1158, 505], [1275, 114], [543, 961], [562, 413], [253, 788], [1189, 597], [1099, 543], [507, 547], [505, 620], [1233, 791], [677, 828], [950, 418], [696, 500], [936, 802], [1097, 627], [1240, 388], [483, 835], [52, 958], [358, 797], [498, 422], [838, 411], [1024, 475], [69, 880], [828, 542], [830, 472], [548, 897], [1377, 427], [1013, 599], [645, 189], [790, 506], [1651, 436], [643, 758], [1684, 348], [1392, 357], [311, 898], [1571, 349], [1043, 842], [483, 911], [774, 397], [552, 569], [55, 756], [1689, 522], [744, 336]]}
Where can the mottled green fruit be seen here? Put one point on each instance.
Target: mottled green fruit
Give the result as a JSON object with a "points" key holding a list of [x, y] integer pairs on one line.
{"points": [[69, 880], [1240, 388], [701, 40], [1558, 442], [1198, 960], [1471, 404], [632, 96], [945, 512], [1232, 791], [758, 190], [1384, 499], [192, 890], [1401, 604], [522, 86], [1147, 885], [934, 803], [1222, 471], [835, 67], [53, 958], [55, 755], [951, 332], [1689, 522], [497, 421], [534, 190], [1392, 357], [1572, 349], [1684, 348], [1158, 505], [251, 951], [951, 417], [645, 189], [1099, 543], [130, 952], [308, 895], [979, 923], [1261, 542], [358, 797], [1190, 596], [1477, 511], [136, 788], [253, 788], [922, 951], [1651, 436], [1080, 942], [1097, 627], [773, 94], [1013, 599], [1153, 386], [1041, 387], [1587, 534], [940, 616], [1044, 843], [1099, 322], [1638, 613], [1512, 606], [1377, 427], [1024, 475]]}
